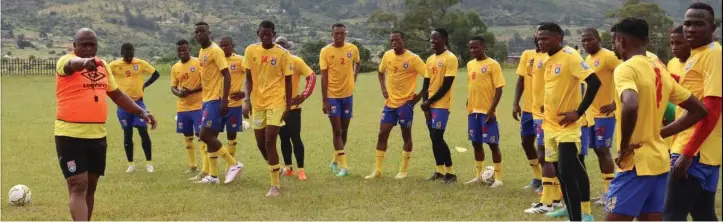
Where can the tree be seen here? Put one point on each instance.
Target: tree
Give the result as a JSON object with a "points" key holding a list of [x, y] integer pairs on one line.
{"points": [[310, 53], [365, 56], [606, 40], [658, 24]]}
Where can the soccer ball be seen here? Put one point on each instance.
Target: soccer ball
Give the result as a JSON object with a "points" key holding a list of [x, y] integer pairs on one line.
{"points": [[19, 195], [488, 176], [246, 125]]}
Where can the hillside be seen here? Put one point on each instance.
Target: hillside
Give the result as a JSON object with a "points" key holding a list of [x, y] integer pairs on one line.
{"points": [[47, 26]]}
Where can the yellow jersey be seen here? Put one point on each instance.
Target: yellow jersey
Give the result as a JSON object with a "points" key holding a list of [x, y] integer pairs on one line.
{"points": [[675, 66], [269, 68], [129, 76], [703, 78], [484, 77], [564, 73], [81, 130], [524, 69], [238, 76], [339, 63], [401, 73], [187, 75], [439, 67], [603, 64], [299, 69], [655, 87], [212, 60], [538, 85]]}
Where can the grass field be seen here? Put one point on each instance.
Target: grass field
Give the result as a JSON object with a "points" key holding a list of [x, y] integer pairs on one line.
{"points": [[28, 157]]}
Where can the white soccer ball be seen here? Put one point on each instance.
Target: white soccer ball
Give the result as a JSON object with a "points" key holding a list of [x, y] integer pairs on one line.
{"points": [[246, 125], [19, 195], [488, 175]]}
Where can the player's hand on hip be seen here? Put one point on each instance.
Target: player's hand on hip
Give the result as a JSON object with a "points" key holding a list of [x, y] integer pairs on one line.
{"points": [[150, 120], [568, 118], [516, 112], [681, 165], [491, 116], [607, 109], [238, 95], [224, 108], [624, 152]]}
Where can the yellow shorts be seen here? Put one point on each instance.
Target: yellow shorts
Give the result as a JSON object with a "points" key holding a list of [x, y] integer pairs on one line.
{"points": [[271, 116], [553, 140]]}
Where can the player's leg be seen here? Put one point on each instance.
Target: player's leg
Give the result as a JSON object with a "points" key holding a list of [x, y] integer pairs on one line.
{"points": [[78, 189], [581, 174], [73, 160], [298, 145], [126, 121], [347, 113], [491, 136], [335, 106], [681, 197], [146, 144], [527, 136], [475, 122], [233, 124], [655, 203], [389, 120], [439, 162], [567, 167], [629, 195], [274, 118], [406, 118], [260, 135], [213, 123], [286, 148], [185, 126], [704, 209], [601, 136], [96, 168], [202, 148], [550, 190], [440, 119]]}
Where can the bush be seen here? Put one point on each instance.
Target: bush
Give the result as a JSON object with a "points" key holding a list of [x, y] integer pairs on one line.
{"points": [[51, 52]]}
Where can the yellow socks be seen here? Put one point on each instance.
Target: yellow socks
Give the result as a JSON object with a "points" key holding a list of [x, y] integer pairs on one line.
{"points": [[548, 189], [275, 175], [213, 163], [556, 191], [606, 181], [478, 166], [441, 170], [536, 169], [585, 207], [379, 155], [450, 170], [223, 153], [498, 171], [232, 147], [335, 158], [204, 158], [341, 159], [405, 161], [188, 142]]}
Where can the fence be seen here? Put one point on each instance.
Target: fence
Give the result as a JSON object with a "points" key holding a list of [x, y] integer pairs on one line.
{"points": [[12, 67]]}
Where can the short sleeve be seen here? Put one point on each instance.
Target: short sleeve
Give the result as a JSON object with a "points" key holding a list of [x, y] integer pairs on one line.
{"points": [[420, 67], [174, 80], [285, 61], [247, 54], [60, 66], [452, 66], [497, 78], [712, 71], [322, 59], [303, 67], [678, 94], [147, 67], [112, 85], [383, 63], [578, 67], [220, 59], [522, 65], [624, 78], [355, 54]]}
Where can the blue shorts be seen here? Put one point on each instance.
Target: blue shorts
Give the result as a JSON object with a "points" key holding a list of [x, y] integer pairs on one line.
{"points": [[188, 122], [341, 107], [539, 132], [404, 115], [233, 119], [602, 135], [439, 118], [632, 195], [528, 125], [707, 175], [584, 140], [212, 116], [481, 131], [131, 120]]}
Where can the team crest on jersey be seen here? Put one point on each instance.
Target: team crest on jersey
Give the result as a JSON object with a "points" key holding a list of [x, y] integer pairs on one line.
{"points": [[273, 61], [348, 54], [193, 69], [558, 68], [440, 64], [689, 65], [233, 67], [597, 62], [539, 64], [406, 65], [205, 58], [71, 166], [585, 66], [484, 69], [135, 67]]}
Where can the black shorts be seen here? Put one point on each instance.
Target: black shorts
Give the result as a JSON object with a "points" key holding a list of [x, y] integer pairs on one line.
{"points": [[77, 156]]}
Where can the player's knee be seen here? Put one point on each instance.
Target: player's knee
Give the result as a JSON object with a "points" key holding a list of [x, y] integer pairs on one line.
{"points": [[603, 153], [78, 184], [337, 132]]}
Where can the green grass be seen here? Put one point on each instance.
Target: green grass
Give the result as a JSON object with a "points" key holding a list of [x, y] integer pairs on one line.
{"points": [[28, 157]]}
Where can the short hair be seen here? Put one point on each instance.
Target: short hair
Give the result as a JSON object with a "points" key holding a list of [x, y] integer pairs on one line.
{"points": [[677, 30], [442, 32], [593, 31], [181, 42], [201, 23], [398, 32], [267, 25], [479, 38], [614, 27], [634, 27], [127, 46], [551, 27], [703, 6], [338, 25]]}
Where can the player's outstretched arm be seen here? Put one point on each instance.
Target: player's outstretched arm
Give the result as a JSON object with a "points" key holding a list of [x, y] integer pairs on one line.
{"points": [[126, 103], [78, 64]]}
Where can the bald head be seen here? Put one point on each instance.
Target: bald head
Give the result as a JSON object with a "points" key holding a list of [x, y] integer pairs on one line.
{"points": [[86, 43], [590, 40], [227, 45]]}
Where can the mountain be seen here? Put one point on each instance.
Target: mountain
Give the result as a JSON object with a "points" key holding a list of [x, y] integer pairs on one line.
{"points": [[44, 28]]}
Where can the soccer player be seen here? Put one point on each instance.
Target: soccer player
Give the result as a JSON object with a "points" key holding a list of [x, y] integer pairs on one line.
{"points": [[485, 90], [291, 132], [642, 90], [186, 85], [697, 152], [441, 71], [268, 79], [216, 83], [80, 134], [237, 71], [398, 73], [339, 64], [523, 90], [129, 73], [681, 52], [600, 115], [563, 106]]}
